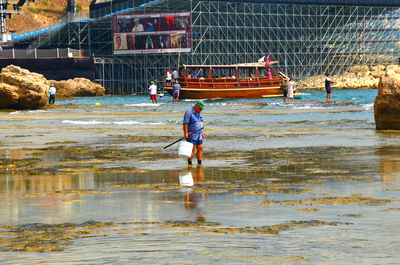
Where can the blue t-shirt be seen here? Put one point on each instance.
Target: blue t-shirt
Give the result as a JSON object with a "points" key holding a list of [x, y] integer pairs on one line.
{"points": [[194, 122], [176, 87]]}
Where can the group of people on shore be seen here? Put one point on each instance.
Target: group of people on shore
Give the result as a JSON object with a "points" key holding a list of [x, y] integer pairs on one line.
{"points": [[289, 86], [170, 77]]}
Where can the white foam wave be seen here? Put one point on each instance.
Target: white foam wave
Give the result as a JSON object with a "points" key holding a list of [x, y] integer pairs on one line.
{"points": [[27, 111], [126, 122], [144, 105], [96, 122], [306, 107], [368, 106], [93, 122]]}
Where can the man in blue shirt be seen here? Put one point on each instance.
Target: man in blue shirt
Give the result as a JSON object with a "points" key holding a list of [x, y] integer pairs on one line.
{"points": [[193, 121]]}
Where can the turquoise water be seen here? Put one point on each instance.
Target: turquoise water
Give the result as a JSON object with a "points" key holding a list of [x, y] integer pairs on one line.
{"points": [[358, 97]]}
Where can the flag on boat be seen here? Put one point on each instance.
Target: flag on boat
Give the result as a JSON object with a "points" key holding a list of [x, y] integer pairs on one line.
{"points": [[267, 60]]}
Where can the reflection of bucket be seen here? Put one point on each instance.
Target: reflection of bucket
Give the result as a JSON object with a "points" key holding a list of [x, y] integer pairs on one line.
{"points": [[186, 180], [185, 149]]}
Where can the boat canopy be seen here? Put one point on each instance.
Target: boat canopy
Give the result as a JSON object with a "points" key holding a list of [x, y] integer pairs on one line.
{"points": [[240, 65]]}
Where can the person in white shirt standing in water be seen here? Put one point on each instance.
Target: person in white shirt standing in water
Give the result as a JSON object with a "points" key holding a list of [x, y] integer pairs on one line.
{"points": [[52, 94], [328, 84], [290, 89], [153, 91]]}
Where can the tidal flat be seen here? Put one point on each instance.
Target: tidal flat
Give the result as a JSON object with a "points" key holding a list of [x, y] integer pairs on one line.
{"points": [[303, 183]]}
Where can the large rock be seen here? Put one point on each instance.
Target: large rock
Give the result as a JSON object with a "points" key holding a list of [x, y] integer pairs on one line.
{"points": [[21, 89], [77, 87], [387, 104], [377, 70], [357, 77]]}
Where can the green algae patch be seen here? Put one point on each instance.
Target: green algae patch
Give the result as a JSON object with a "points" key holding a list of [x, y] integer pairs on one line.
{"points": [[47, 237], [274, 229], [308, 210], [212, 227], [393, 210], [190, 224], [147, 139], [19, 164], [61, 143], [56, 193], [244, 187], [353, 199], [351, 215], [66, 192]]}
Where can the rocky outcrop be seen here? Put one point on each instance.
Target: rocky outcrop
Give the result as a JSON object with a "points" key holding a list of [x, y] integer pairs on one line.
{"points": [[77, 87], [387, 103], [21, 89], [357, 77]]}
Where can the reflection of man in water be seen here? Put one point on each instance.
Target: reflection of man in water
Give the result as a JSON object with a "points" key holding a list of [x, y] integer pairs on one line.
{"points": [[194, 202]]}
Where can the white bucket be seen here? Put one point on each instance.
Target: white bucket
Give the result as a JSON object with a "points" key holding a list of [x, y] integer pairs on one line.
{"points": [[186, 180], [185, 149]]}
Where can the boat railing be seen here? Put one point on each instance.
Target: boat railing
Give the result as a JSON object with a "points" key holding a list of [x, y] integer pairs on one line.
{"points": [[230, 82]]}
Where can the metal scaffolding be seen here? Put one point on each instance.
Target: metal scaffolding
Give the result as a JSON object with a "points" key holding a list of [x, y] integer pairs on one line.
{"points": [[306, 39]]}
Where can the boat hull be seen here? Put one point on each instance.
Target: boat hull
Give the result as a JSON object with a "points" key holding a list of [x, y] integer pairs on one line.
{"points": [[210, 93]]}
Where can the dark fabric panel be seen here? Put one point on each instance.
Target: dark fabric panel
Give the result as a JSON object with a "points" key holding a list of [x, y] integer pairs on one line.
{"points": [[56, 69]]}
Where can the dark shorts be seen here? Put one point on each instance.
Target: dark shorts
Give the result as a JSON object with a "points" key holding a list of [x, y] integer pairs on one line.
{"points": [[195, 141], [175, 94], [285, 93], [328, 90]]}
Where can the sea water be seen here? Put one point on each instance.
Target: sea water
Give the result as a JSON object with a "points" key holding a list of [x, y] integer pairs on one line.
{"points": [[307, 182]]}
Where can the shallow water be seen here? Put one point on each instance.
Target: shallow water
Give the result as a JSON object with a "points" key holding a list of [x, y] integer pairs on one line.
{"points": [[302, 183]]}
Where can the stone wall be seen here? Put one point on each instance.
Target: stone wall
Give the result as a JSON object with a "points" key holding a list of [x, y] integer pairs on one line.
{"points": [[357, 77]]}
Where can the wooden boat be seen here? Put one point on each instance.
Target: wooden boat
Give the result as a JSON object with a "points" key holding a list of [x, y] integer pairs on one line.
{"points": [[247, 80]]}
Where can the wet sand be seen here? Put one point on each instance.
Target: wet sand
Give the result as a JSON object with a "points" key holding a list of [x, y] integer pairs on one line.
{"points": [[293, 192]]}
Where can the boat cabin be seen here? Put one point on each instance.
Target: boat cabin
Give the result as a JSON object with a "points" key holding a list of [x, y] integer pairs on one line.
{"points": [[236, 75]]}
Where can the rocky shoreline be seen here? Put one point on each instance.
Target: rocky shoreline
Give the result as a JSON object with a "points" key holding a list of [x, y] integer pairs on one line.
{"points": [[357, 77], [22, 89]]}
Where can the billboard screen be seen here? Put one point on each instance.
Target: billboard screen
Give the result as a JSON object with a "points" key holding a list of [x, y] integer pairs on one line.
{"points": [[152, 33]]}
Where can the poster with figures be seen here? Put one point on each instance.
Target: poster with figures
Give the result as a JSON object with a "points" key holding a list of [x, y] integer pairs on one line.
{"points": [[151, 33]]}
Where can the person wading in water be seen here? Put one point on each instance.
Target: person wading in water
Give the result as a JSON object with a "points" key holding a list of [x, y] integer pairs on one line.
{"points": [[193, 121]]}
